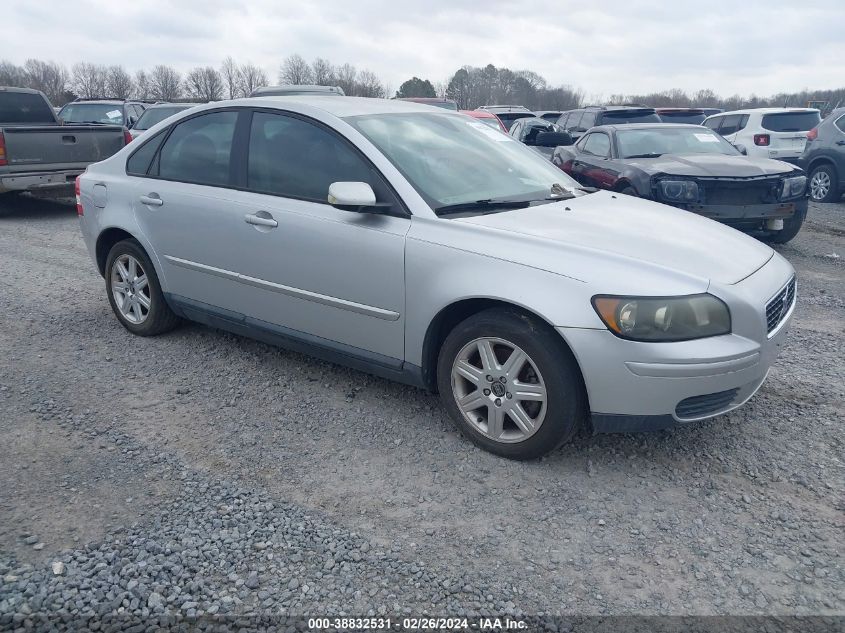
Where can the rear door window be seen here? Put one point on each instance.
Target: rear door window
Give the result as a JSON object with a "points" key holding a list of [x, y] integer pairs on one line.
{"points": [[199, 150], [714, 123], [139, 162], [587, 121], [791, 121], [730, 124], [840, 123]]}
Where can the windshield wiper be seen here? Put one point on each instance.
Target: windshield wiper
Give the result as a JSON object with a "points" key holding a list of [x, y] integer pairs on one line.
{"points": [[652, 155], [481, 205]]}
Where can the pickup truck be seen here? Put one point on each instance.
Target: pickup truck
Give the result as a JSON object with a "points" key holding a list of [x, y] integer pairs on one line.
{"points": [[37, 153]]}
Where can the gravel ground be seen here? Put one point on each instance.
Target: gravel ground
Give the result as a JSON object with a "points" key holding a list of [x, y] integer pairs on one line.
{"points": [[203, 473]]}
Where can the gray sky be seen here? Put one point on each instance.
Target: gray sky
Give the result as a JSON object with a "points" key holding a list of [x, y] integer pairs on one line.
{"points": [[602, 47]]}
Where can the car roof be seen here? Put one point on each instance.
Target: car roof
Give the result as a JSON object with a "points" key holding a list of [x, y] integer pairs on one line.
{"points": [[504, 108], [479, 114], [649, 126], [766, 111], [685, 110], [340, 106], [183, 104], [17, 89]]}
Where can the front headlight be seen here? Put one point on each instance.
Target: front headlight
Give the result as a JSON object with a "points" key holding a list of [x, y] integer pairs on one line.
{"points": [[664, 319], [679, 190], [793, 187]]}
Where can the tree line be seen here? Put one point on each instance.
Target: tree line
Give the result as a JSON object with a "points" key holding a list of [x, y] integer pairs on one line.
{"points": [[469, 86], [162, 82]]}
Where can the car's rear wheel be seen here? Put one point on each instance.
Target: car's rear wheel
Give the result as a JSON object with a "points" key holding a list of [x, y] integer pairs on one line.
{"points": [[510, 384], [629, 191], [134, 291], [823, 184]]}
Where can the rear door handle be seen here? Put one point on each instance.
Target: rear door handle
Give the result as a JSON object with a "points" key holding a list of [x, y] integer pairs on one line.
{"points": [[257, 220], [152, 200]]}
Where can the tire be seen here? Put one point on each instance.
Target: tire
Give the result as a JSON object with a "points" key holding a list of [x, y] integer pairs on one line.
{"points": [[629, 191], [553, 408], [140, 287], [790, 229], [823, 184]]}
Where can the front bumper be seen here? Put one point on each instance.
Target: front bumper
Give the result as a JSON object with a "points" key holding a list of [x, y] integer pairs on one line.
{"points": [[636, 386], [748, 212], [43, 181]]}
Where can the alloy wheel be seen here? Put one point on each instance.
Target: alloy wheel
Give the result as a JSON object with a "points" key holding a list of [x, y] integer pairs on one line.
{"points": [[820, 185], [499, 390], [130, 289]]}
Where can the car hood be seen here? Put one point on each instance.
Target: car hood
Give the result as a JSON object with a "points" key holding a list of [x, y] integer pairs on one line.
{"points": [[711, 165], [616, 226]]}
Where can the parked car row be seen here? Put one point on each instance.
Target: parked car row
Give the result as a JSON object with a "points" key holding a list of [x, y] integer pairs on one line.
{"points": [[431, 248]]}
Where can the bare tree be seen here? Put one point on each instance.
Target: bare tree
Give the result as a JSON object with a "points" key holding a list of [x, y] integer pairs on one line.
{"points": [[165, 83], [204, 84], [48, 77], [295, 70], [12, 75], [231, 78], [142, 85], [251, 77], [345, 77], [369, 85], [322, 72], [118, 82], [89, 80]]}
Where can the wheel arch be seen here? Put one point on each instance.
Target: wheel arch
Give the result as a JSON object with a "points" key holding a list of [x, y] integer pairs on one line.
{"points": [[106, 240], [451, 315], [822, 160]]}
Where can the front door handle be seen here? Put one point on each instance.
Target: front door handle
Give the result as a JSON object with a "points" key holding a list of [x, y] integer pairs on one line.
{"points": [[257, 220], [152, 200]]}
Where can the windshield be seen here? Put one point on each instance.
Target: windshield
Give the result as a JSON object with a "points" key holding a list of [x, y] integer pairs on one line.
{"points": [[489, 121], [653, 141], [92, 113], [611, 117], [696, 118], [455, 159], [155, 115]]}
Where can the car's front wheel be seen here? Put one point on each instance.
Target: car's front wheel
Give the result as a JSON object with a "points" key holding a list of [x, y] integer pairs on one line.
{"points": [[823, 184], [510, 384], [790, 229], [134, 291]]}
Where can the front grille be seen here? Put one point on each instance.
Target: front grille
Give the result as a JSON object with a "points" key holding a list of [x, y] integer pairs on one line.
{"points": [[698, 406], [741, 191], [779, 305]]}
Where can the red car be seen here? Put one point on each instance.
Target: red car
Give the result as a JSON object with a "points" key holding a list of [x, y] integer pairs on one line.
{"points": [[487, 117]]}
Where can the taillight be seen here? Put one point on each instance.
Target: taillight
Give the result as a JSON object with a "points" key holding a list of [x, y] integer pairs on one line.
{"points": [[813, 134], [127, 137], [79, 209], [762, 139], [3, 160]]}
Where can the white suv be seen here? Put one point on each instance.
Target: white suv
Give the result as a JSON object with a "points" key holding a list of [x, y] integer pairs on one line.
{"points": [[778, 133]]}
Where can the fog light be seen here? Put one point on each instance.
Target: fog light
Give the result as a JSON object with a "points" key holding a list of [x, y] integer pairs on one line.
{"points": [[775, 224]]}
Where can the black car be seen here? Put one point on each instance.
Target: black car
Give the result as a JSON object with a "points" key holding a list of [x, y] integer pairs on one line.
{"points": [[508, 113], [824, 158], [576, 122], [112, 111], [681, 115], [693, 168], [541, 135]]}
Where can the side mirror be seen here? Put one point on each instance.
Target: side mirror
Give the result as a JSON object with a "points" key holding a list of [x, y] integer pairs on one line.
{"points": [[741, 149], [354, 196], [552, 139]]}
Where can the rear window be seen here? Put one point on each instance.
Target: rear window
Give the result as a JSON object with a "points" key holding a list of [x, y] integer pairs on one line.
{"points": [[791, 121], [629, 116], [92, 113], [682, 117], [157, 115], [509, 117], [24, 107]]}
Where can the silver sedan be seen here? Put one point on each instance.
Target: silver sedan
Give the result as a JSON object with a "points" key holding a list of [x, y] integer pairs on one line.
{"points": [[425, 247]]}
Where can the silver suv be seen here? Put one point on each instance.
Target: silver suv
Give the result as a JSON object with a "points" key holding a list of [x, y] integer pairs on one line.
{"points": [[422, 245]]}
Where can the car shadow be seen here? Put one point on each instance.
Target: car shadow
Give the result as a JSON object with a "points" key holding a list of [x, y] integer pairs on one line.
{"points": [[15, 206]]}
